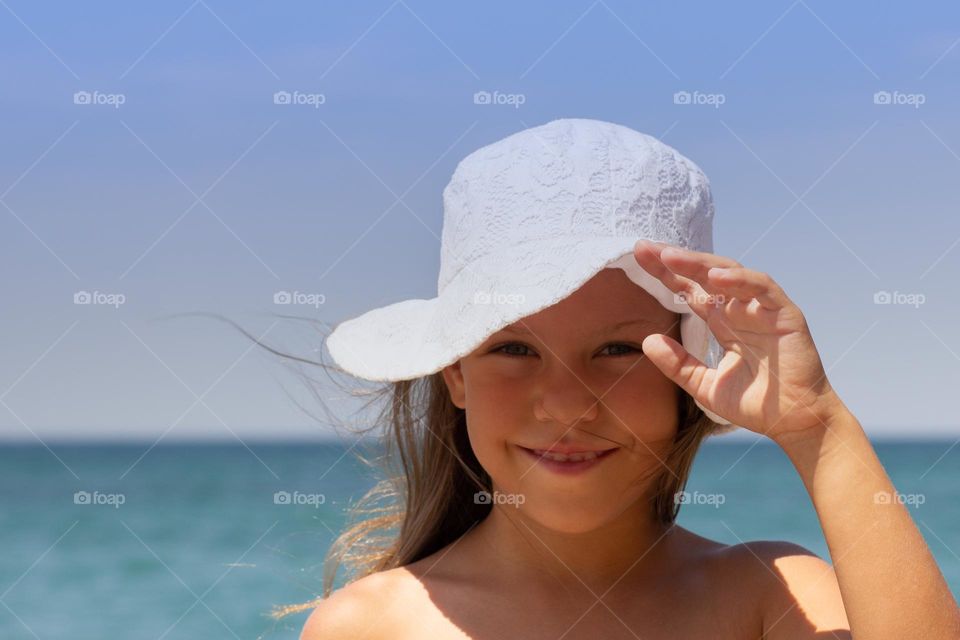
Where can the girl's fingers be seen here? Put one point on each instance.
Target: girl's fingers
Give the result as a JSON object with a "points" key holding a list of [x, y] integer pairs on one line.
{"points": [[677, 364], [747, 284], [694, 264], [647, 255], [742, 322], [728, 276]]}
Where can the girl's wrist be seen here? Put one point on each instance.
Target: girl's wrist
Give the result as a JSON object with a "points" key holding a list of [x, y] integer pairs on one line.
{"points": [[823, 438]]}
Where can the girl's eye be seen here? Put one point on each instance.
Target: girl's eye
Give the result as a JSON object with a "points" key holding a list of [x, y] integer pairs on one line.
{"points": [[501, 349], [628, 348], [619, 349]]}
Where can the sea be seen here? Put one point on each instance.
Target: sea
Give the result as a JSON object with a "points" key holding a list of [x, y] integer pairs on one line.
{"points": [[200, 540]]}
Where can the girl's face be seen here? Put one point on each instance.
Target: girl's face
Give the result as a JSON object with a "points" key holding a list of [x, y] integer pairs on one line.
{"points": [[576, 364]]}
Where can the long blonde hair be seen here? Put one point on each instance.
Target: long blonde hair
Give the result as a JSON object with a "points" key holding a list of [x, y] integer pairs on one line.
{"points": [[426, 500]]}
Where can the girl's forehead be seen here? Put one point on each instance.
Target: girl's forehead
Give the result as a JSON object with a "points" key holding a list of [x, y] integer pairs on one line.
{"points": [[607, 303], [526, 326], [609, 300], [636, 327]]}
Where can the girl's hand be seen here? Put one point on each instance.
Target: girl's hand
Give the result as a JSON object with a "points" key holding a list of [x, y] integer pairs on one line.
{"points": [[771, 379]]}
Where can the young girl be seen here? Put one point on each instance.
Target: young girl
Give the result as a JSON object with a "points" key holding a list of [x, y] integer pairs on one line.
{"points": [[545, 411]]}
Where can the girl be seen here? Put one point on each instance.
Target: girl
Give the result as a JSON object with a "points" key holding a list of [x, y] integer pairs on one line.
{"points": [[546, 425]]}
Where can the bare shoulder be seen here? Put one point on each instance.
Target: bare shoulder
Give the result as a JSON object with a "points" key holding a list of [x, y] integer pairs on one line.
{"points": [[361, 609], [797, 590]]}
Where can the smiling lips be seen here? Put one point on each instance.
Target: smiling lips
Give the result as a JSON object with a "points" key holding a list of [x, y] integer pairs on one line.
{"points": [[569, 461], [570, 456]]}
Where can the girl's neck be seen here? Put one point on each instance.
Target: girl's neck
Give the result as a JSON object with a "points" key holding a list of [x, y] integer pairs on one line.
{"points": [[521, 551]]}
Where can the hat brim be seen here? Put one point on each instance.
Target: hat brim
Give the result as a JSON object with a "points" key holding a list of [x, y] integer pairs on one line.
{"points": [[419, 337]]}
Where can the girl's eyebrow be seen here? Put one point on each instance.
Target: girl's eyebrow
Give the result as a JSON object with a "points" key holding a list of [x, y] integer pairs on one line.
{"points": [[626, 323], [610, 329]]}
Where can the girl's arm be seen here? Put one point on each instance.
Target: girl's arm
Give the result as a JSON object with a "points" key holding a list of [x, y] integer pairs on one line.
{"points": [[889, 581], [771, 381]]}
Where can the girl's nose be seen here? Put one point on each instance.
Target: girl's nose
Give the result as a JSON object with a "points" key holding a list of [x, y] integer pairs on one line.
{"points": [[566, 398]]}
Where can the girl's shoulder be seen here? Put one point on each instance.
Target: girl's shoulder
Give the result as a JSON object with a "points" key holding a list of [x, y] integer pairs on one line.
{"points": [[783, 587], [374, 606], [757, 557], [780, 586], [796, 590]]}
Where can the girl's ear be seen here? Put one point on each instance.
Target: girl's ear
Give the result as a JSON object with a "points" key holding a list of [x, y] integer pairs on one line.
{"points": [[453, 377]]}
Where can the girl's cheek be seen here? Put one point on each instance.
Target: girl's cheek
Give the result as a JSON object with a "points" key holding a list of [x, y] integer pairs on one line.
{"points": [[497, 395], [496, 420], [648, 409]]}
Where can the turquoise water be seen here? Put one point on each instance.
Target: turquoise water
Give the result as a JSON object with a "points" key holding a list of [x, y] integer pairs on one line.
{"points": [[190, 541]]}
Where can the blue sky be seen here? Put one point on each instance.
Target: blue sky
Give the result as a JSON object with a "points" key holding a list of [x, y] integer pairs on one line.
{"points": [[178, 184]]}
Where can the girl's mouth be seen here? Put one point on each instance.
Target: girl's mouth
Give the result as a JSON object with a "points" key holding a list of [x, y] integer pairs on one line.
{"points": [[568, 464]]}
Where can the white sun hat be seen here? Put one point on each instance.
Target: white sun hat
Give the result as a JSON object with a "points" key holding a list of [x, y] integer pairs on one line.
{"points": [[527, 220]]}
